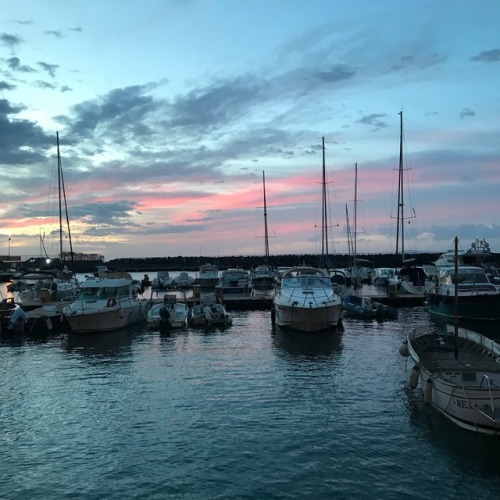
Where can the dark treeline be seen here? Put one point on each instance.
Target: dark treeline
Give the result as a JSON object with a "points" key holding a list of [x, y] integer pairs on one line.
{"points": [[249, 262]]}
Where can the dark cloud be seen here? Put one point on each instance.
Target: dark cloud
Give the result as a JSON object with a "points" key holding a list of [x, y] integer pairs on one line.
{"points": [[421, 60], [116, 213], [467, 113], [54, 33], [9, 40], [487, 56], [49, 68], [21, 141], [14, 64], [374, 120], [336, 73], [119, 113], [6, 86], [44, 85]]}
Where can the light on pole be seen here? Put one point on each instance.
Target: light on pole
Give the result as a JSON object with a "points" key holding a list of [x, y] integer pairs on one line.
{"points": [[9, 247]]}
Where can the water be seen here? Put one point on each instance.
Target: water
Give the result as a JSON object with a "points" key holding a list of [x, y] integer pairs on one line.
{"points": [[248, 412]]}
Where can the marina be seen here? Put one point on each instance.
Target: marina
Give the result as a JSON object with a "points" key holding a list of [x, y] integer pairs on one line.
{"points": [[245, 411]]}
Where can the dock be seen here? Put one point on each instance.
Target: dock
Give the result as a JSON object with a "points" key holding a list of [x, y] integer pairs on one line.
{"points": [[265, 302]]}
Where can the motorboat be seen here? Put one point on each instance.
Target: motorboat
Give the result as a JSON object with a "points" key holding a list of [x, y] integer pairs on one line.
{"points": [[306, 300], [44, 320], [106, 304], [360, 306], [171, 313], [235, 283], [382, 275], [45, 288], [411, 280], [477, 298], [183, 281], [263, 277], [162, 281], [458, 373], [208, 310], [208, 277]]}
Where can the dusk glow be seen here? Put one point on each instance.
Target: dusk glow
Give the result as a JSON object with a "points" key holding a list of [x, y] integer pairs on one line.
{"points": [[168, 112]]}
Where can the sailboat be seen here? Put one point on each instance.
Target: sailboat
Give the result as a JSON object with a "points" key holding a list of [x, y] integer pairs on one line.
{"points": [[54, 285], [356, 305], [42, 300], [306, 301], [410, 278], [458, 372], [263, 276]]}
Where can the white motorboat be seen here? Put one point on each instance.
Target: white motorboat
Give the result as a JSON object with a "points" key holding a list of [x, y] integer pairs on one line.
{"points": [[45, 288], [162, 281], [208, 277], [106, 304], [235, 283], [208, 310], [458, 372], [183, 281], [263, 277], [171, 313], [306, 300]]}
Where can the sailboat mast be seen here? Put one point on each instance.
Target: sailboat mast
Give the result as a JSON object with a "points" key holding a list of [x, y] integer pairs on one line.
{"points": [[456, 299], [62, 196], [400, 218], [349, 246], [266, 234], [355, 219], [324, 217], [59, 184]]}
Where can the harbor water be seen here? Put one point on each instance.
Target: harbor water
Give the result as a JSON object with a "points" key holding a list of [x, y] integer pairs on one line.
{"points": [[247, 412]]}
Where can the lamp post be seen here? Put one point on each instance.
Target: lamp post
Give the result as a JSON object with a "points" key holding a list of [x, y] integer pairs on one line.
{"points": [[9, 248]]}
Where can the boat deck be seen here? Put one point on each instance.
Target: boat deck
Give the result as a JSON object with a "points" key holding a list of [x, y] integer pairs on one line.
{"points": [[470, 357]]}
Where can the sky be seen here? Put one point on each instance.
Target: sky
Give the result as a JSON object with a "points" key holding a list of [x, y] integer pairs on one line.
{"points": [[171, 112]]}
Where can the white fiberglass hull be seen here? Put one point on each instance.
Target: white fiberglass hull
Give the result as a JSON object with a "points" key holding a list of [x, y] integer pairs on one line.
{"points": [[307, 319], [106, 319], [467, 407]]}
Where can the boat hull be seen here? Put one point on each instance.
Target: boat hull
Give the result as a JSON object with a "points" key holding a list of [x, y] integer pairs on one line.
{"points": [[106, 319], [458, 375], [467, 407], [307, 319], [474, 307]]}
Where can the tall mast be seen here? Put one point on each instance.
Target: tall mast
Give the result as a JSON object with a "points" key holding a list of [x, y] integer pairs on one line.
{"points": [[400, 219], [266, 235], [324, 216], [59, 184], [355, 211], [62, 196]]}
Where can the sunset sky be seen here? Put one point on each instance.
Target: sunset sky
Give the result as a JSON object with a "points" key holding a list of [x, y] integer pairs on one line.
{"points": [[169, 112]]}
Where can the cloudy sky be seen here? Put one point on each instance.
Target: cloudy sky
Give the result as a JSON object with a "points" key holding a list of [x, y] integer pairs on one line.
{"points": [[169, 112]]}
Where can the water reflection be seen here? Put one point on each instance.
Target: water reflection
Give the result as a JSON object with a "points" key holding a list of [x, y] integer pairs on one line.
{"points": [[305, 344], [109, 344]]}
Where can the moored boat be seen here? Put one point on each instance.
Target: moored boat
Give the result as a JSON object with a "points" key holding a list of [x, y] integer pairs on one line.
{"points": [[235, 283], [106, 304], [306, 301], [477, 298], [359, 306], [458, 373], [171, 313], [208, 277], [208, 310]]}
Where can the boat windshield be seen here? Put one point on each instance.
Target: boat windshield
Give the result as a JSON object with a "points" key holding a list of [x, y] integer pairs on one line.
{"points": [[471, 277], [307, 281]]}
